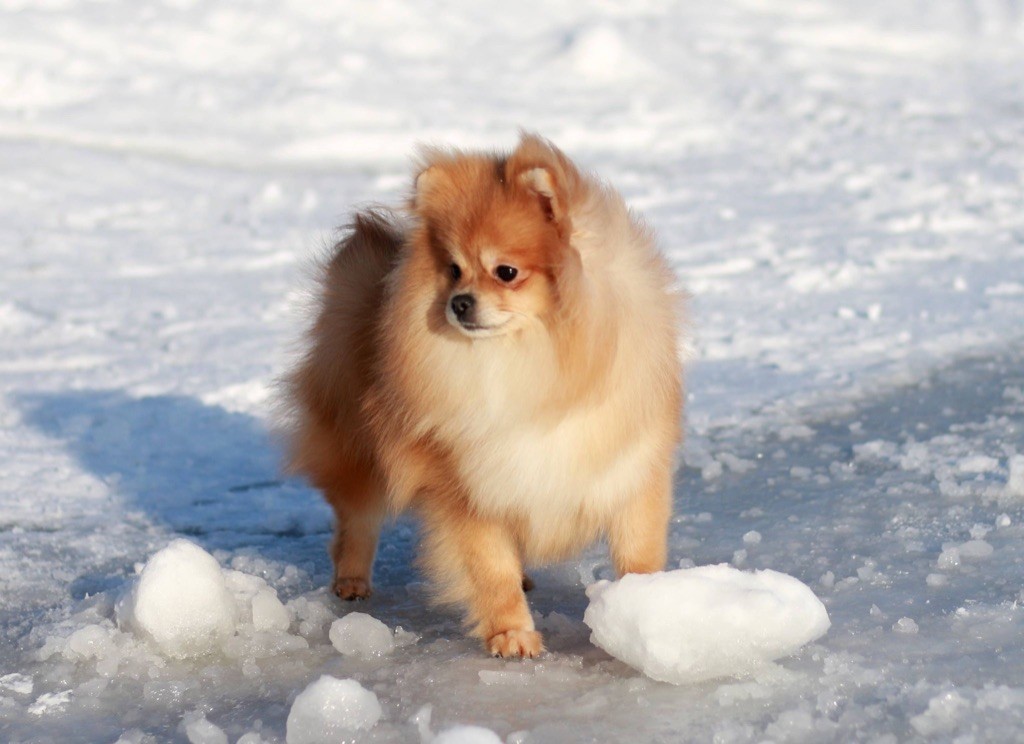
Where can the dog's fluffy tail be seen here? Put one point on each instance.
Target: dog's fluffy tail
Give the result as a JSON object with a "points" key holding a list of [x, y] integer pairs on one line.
{"points": [[327, 433]]}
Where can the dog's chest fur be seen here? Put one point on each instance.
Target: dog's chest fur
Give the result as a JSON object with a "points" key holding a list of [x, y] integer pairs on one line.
{"points": [[562, 478]]}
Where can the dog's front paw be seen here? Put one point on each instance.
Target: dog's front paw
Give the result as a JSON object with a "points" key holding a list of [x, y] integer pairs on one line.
{"points": [[353, 588], [516, 644]]}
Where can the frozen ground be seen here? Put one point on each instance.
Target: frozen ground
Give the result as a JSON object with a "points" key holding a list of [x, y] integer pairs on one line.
{"points": [[840, 186]]}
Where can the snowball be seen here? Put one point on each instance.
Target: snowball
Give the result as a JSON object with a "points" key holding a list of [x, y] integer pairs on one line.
{"points": [[181, 602], [467, 735], [359, 634], [701, 623], [329, 709]]}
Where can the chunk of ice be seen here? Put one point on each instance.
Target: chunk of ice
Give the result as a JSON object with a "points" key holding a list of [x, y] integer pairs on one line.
{"points": [[359, 634], [329, 710], [267, 611], [20, 684], [943, 715], [976, 550], [198, 730], [702, 623], [905, 625]]}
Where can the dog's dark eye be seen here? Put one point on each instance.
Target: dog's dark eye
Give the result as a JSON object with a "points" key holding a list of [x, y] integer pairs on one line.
{"points": [[455, 271], [506, 273]]}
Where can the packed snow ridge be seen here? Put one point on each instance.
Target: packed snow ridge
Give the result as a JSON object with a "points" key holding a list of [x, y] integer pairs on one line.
{"points": [[703, 623]]}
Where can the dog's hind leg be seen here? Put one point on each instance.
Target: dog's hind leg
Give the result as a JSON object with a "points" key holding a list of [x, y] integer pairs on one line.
{"points": [[355, 494], [353, 548]]}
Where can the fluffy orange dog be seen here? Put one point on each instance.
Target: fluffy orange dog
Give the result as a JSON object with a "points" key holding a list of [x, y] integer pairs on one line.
{"points": [[503, 359]]}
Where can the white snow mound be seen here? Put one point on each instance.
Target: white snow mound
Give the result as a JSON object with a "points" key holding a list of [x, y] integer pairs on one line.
{"points": [[329, 710], [181, 602], [702, 623]]}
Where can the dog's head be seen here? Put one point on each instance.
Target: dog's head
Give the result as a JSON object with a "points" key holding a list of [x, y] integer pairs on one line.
{"points": [[496, 231]]}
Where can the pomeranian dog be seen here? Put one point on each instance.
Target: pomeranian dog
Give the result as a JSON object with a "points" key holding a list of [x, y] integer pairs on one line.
{"points": [[502, 358]]}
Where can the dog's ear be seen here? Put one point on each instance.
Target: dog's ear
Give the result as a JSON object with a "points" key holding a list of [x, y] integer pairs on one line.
{"points": [[426, 183], [546, 175], [541, 183], [431, 173]]}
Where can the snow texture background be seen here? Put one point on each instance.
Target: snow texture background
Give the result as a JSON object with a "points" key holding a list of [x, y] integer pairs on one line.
{"points": [[839, 184]]}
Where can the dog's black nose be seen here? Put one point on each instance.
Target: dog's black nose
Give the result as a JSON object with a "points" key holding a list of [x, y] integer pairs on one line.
{"points": [[462, 306]]}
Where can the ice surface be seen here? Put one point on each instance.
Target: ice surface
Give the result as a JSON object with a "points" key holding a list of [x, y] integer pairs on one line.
{"points": [[696, 624], [180, 602], [331, 709]]}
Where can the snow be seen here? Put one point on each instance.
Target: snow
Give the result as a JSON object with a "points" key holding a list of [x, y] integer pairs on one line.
{"points": [[838, 186], [180, 602], [697, 624], [330, 709]]}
